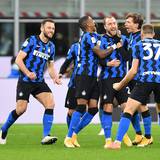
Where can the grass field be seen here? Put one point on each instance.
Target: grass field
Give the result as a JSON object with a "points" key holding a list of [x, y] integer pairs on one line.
{"points": [[23, 143]]}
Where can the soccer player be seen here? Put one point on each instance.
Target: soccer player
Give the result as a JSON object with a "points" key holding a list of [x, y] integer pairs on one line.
{"points": [[146, 59], [133, 25], [36, 52], [71, 101], [110, 75], [86, 78]]}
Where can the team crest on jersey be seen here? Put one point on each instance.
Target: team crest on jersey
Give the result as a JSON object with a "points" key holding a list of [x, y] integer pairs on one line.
{"points": [[93, 40], [84, 93], [49, 50], [99, 43], [68, 102], [20, 94], [105, 96]]}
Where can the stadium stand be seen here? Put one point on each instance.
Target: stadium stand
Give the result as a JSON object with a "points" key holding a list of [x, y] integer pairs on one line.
{"points": [[71, 9]]}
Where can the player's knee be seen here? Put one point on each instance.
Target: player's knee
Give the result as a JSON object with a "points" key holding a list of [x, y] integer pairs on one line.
{"points": [[127, 115], [21, 110], [93, 111], [81, 108], [70, 112], [49, 104]]}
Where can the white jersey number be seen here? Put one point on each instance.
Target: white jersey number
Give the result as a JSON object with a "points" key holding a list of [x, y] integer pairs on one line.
{"points": [[147, 47]]}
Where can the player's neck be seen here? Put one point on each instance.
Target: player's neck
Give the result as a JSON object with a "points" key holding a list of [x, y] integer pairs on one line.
{"points": [[43, 38], [136, 30]]}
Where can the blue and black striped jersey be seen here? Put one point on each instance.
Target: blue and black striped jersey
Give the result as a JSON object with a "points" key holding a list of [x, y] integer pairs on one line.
{"points": [[72, 55], [131, 42], [87, 59], [112, 72], [38, 53], [148, 53]]}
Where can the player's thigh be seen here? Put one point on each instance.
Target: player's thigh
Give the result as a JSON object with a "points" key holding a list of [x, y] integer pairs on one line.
{"points": [[131, 106], [141, 92], [46, 99], [107, 91], [44, 95]]}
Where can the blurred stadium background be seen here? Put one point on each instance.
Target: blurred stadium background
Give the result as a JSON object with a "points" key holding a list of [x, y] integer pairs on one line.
{"points": [[21, 18]]}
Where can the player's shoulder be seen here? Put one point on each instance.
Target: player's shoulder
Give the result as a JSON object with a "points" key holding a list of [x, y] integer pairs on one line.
{"points": [[51, 44]]}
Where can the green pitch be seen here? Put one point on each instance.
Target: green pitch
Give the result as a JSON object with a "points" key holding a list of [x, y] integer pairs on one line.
{"points": [[23, 143]]}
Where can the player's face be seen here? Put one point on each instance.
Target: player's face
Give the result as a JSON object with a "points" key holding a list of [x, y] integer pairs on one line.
{"points": [[111, 26], [130, 26], [91, 24], [48, 29]]}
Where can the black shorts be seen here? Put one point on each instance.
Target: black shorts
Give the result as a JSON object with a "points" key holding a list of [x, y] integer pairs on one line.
{"points": [[87, 87], [71, 101], [142, 91], [131, 85], [108, 93], [24, 89]]}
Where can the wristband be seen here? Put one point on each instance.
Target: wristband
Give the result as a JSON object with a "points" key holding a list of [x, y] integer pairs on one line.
{"points": [[114, 46]]}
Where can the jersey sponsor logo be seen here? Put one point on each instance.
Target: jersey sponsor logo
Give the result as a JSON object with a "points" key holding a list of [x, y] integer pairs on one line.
{"points": [[151, 73], [93, 40], [41, 54]]}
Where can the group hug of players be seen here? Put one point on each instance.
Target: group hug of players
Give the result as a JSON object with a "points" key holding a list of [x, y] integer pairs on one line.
{"points": [[114, 53]]}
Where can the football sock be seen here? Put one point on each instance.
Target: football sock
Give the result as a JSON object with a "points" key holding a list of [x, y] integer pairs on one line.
{"points": [[123, 126], [47, 121], [13, 116], [68, 119], [147, 120], [107, 123], [136, 123]]}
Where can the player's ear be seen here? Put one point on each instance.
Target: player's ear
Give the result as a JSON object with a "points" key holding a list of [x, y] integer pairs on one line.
{"points": [[42, 28]]}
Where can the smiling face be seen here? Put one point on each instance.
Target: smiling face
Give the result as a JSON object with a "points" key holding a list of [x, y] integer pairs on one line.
{"points": [[48, 29], [91, 24], [110, 25]]}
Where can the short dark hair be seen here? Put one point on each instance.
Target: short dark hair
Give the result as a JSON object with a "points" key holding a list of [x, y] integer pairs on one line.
{"points": [[47, 20], [82, 22], [148, 29], [137, 18], [108, 18]]}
